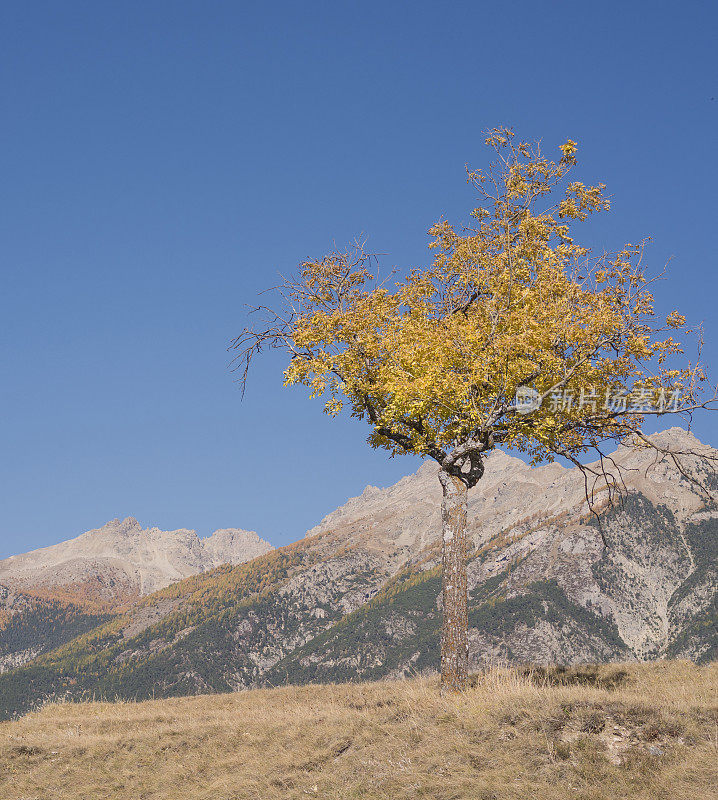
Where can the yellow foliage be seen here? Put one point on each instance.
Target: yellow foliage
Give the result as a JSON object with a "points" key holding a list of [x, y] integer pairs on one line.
{"points": [[434, 361]]}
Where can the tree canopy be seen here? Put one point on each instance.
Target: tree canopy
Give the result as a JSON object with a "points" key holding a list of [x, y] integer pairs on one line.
{"points": [[512, 305]]}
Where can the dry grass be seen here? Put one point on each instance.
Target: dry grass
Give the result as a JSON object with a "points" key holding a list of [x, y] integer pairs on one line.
{"points": [[652, 735]]}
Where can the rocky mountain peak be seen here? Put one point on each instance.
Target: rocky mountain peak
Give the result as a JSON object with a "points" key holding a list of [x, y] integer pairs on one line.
{"points": [[233, 546], [118, 527], [404, 517], [129, 558]]}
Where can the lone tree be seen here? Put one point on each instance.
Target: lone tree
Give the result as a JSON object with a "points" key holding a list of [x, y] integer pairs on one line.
{"points": [[515, 335]]}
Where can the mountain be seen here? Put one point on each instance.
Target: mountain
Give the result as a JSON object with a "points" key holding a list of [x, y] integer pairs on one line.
{"points": [[123, 559], [359, 596], [49, 596]]}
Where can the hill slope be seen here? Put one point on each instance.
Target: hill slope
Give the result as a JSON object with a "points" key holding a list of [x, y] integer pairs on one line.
{"points": [[359, 598], [633, 732]]}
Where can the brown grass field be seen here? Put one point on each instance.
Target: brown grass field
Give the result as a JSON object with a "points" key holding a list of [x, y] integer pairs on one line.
{"points": [[613, 732]]}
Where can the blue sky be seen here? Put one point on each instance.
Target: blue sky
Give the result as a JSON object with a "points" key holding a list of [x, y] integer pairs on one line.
{"points": [[162, 161]]}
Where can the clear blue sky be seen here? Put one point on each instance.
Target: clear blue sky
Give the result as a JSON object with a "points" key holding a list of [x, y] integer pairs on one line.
{"points": [[161, 161]]}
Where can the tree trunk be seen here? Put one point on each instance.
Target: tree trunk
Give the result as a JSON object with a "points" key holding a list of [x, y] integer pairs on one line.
{"points": [[455, 629]]}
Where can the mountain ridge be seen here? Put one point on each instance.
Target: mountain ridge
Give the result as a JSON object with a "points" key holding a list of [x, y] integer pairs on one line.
{"points": [[359, 597], [147, 558]]}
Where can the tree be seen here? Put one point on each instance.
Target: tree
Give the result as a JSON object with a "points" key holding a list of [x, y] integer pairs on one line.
{"points": [[515, 335]]}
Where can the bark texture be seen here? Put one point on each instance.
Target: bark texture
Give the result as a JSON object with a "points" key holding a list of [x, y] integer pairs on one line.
{"points": [[455, 628]]}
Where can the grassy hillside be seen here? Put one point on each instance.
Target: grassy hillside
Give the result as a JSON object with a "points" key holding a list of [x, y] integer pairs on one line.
{"points": [[645, 731]]}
